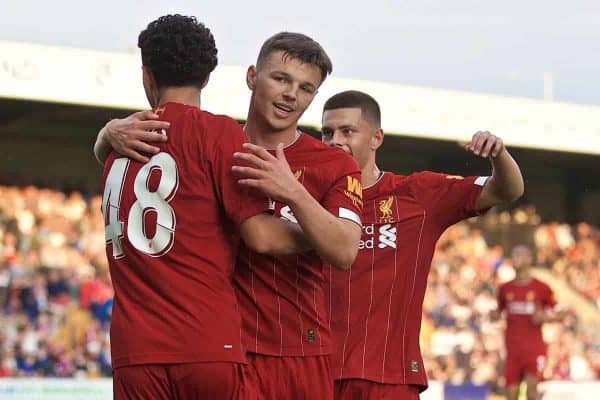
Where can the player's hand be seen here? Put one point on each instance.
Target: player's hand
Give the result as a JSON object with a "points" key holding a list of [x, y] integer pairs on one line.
{"points": [[538, 317], [268, 173], [485, 144], [131, 136]]}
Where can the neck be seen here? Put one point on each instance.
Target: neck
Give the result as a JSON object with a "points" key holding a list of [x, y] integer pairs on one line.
{"points": [[189, 96], [523, 275], [370, 173], [261, 134]]}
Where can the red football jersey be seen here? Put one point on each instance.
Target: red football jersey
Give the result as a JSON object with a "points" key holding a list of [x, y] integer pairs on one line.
{"points": [[377, 304], [281, 298], [171, 244], [520, 301]]}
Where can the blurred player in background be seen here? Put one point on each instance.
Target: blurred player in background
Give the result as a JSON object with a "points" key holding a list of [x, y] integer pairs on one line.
{"points": [[527, 304], [376, 306], [281, 298], [175, 329]]}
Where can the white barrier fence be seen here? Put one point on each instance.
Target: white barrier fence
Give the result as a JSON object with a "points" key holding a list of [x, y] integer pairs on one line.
{"points": [[55, 389], [101, 389]]}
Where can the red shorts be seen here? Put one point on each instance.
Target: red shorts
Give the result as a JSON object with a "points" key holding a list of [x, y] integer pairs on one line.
{"points": [[519, 364], [360, 389], [194, 381], [294, 378]]}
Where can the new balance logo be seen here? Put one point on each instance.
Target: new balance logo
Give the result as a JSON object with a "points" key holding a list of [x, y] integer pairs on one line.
{"points": [[387, 236]]}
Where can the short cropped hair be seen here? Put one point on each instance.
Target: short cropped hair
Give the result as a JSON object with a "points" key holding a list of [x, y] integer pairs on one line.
{"points": [[298, 46], [355, 99]]}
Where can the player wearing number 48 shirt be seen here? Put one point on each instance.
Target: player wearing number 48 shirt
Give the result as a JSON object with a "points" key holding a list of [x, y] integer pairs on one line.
{"points": [[172, 229], [376, 305], [281, 298]]}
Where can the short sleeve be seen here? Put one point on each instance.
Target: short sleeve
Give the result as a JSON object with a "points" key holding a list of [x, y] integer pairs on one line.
{"points": [[450, 198], [238, 202], [344, 197]]}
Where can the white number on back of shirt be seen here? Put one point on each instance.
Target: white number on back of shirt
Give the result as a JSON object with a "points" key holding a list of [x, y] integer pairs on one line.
{"points": [[146, 201]]}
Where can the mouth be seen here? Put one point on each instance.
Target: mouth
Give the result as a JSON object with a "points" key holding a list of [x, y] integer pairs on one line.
{"points": [[345, 149], [283, 109]]}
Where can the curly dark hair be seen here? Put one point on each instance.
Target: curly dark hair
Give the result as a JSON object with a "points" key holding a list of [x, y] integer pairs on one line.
{"points": [[179, 50]]}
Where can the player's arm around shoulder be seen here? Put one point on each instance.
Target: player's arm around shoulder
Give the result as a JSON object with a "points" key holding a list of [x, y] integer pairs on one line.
{"points": [[506, 183], [131, 136]]}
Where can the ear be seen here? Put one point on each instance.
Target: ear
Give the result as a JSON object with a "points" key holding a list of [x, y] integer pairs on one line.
{"points": [[377, 139], [148, 77], [150, 86], [251, 77], [205, 81]]}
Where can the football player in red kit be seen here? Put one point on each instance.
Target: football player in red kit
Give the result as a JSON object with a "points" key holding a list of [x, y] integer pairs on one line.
{"points": [[376, 306], [281, 298], [172, 228], [527, 303]]}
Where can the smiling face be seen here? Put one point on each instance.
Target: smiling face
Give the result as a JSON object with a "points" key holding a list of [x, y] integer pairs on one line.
{"points": [[282, 89]]}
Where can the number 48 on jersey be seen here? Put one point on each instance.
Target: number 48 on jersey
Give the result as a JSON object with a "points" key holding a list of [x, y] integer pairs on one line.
{"points": [[146, 201]]}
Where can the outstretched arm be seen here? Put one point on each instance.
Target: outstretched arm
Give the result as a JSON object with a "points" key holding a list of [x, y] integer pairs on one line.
{"points": [[506, 183]]}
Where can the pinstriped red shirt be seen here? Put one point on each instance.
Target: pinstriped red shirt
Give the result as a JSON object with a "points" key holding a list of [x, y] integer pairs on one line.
{"points": [[376, 305], [171, 244], [281, 299]]}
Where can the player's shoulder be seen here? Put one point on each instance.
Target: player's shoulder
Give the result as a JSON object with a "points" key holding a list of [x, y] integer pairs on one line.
{"points": [[506, 285], [429, 180], [337, 160], [220, 130], [541, 284], [389, 183], [433, 178], [218, 121], [422, 182]]}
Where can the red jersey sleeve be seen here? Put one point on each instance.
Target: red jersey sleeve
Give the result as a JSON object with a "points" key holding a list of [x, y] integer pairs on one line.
{"points": [[449, 198], [344, 197], [239, 203]]}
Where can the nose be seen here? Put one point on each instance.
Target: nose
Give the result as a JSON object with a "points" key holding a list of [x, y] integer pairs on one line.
{"points": [[291, 92], [338, 139]]}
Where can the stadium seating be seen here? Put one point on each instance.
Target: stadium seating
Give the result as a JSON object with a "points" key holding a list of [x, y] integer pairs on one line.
{"points": [[56, 295]]}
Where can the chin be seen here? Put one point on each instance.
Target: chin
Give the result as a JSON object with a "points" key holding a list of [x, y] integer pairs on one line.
{"points": [[281, 125]]}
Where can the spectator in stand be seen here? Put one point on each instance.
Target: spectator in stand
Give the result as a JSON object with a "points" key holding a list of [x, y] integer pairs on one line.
{"points": [[55, 291]]}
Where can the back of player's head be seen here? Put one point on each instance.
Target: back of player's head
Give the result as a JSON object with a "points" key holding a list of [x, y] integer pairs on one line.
{"points": [[179, 50], [298, 46], [355, 99]]}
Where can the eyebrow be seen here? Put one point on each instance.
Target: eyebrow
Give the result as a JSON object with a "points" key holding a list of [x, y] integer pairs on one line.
{"points": [[347, 126]]}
